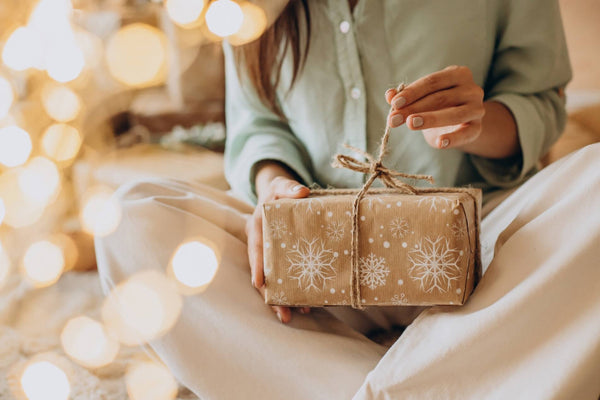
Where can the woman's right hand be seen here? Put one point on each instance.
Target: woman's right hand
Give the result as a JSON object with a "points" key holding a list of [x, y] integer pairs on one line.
{"points": [[273, 181]]}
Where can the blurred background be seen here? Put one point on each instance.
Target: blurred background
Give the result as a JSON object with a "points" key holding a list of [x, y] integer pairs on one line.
{"points": [[97, 93]]}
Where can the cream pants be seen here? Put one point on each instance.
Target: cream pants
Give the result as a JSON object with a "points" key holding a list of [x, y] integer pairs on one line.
{"points": [[531, 330]]}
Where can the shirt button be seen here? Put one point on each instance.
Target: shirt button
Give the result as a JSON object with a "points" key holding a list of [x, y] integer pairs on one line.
{"points": [[355, 93], [345, 27]]}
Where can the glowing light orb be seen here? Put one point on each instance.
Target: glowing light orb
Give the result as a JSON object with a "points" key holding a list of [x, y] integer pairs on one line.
{"points": [[184, 12], [61, 142], [87, 343], [43, 380], [5, 266], [64, 61], [2, 210], [194, 265], [224, 17], [39, 180], [253, 25], [43, 263], [136, 55], [20, 211], [61, 103], [23, 50], [142, 308], [101, 213], [15, 146], [150, 381], [6, 97]]}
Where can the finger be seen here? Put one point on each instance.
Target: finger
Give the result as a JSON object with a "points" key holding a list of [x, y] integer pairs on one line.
{"points": [[445, 117], [439, 100], [440, 80], [466, 134], [389, 95], [289, 189], [284, 314], [304, 310], [255, 251]]}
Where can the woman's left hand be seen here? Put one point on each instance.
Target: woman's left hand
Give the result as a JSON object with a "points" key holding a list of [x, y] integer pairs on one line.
{"points": [[448, 99]]}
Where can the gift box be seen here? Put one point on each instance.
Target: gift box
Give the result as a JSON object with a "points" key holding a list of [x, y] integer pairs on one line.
{"points": [[413, 249]]}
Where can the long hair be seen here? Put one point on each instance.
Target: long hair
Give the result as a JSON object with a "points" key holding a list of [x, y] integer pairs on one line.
{"points": [[263, 58]]}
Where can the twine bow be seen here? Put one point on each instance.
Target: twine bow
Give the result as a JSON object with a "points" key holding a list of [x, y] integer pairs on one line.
{"points": [[389, 177]]}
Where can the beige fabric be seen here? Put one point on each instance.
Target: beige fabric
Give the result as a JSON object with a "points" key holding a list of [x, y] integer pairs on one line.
{"points": [[530, 330]]}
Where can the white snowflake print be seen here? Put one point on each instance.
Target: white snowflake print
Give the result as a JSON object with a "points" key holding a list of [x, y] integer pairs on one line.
{"points": [[371, 199], [335, 231], [434, 202], [398, 300], [279, 298], [278, 229], [373, 271], [311, 264], [398, 227], [312, 203], [434, 265], [458, 230]]}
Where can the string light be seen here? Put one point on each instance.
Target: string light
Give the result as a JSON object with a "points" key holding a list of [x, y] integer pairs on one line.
{"points": [[136, 55], [142, 308], [61, 142], [23, 50], [15, 146], [194, 265], [224, 17], [150, 381], [6, 97], [86, 342], [101, 212], [43, 263], [60, 103], [253, 25], [184, 12], [43, 380], [39, 180]]}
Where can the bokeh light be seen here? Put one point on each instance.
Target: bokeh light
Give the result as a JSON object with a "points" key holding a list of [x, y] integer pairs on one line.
{"points": [[60, 103], [43, 263], [20, 211], [2, 210], [6, 97], [87, 343], [64, 60], [194, 265], [224, 17], [5, 265], [101, 212], [43, 380], [150, 381], [142, 308], [253, 25], [39, 180], [68, 248], [61, 142], [15, 146], [136, 55], [184, 12], [23, 50]]}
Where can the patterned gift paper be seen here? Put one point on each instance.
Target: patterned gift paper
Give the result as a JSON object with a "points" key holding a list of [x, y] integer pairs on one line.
{"points": [[413, 249]]}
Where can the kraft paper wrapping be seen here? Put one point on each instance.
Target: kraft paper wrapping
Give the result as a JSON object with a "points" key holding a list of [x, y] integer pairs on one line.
{"points": [[413, 249]]}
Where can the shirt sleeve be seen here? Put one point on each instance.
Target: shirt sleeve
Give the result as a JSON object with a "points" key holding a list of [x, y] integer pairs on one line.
{"points": [[254, 134], [528, 74]]}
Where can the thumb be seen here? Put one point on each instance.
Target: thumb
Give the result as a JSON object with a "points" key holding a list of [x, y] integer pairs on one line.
{"points": [[290, 189]]}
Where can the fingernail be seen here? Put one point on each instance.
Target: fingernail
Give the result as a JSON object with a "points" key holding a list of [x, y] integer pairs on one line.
{"points": [[253, 284], [297, 188], [445, 143], [303, 310], [399, 102], [417, 122], [396, 120], [279, 317]]}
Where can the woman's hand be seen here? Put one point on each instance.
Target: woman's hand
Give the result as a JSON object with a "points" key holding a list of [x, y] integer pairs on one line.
{"points": [[273, 181], [447, 98]]}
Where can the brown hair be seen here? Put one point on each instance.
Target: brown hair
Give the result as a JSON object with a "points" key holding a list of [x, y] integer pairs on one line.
{"points": [[263, 57]]}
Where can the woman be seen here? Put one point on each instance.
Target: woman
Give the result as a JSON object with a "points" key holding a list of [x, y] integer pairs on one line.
{"points": [[530, 330]]}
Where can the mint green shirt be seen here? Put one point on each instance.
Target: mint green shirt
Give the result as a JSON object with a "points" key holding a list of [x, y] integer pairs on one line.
{"points": [[515, 48]]}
